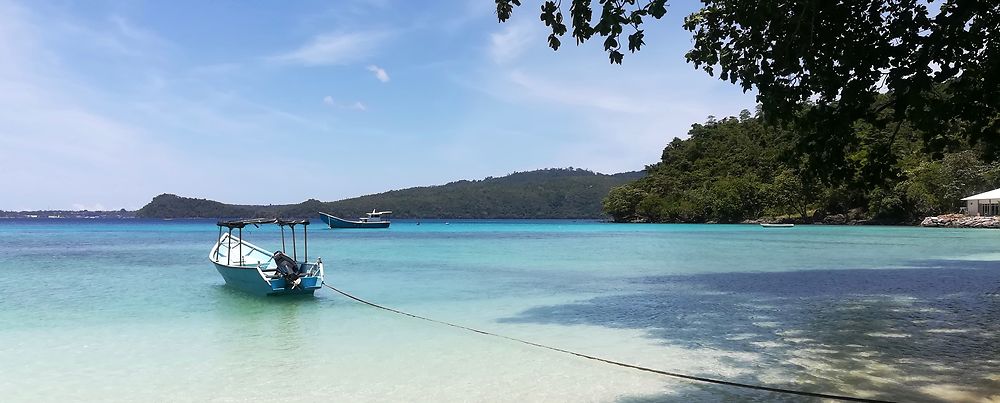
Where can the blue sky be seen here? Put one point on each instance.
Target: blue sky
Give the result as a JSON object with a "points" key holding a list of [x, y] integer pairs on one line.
{"points": [[104, 104]]}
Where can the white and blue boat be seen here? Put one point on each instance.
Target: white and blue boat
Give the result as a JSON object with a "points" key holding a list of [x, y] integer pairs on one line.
{"points": [[375, 219], [254, 270]]}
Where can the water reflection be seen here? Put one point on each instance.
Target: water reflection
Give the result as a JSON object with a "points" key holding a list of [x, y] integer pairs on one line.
{"points": [[928, 333]]}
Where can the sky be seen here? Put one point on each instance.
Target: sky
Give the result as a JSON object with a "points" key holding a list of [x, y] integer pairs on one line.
{"points": [[107, 103]]}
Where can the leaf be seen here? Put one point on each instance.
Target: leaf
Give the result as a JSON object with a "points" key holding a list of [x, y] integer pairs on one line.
{"points": [[610, 43], [657, 8], [558, 27], [505, 8], [616, 57], [635, 41], [636, 18], [582, 14], [554, 42]]}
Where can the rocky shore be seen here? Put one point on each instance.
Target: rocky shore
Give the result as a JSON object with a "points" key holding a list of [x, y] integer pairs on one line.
{"points": [[961, 221]]}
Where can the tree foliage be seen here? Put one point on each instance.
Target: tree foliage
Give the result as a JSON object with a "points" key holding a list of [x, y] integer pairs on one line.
{"points": [[622, 203], [742, 168], [821, 66], [939, 70], [616, 16]]}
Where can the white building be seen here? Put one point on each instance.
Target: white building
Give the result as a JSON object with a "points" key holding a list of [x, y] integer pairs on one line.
{"points": [[985, 204]]}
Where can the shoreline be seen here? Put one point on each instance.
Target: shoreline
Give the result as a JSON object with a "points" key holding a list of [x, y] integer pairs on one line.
{"points": [[941, 221]]}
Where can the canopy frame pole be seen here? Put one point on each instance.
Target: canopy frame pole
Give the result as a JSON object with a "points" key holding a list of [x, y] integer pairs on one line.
{"points": [[293, 242], [217, 240]]}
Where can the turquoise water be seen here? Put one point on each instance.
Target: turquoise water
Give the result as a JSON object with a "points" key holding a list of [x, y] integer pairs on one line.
{"points": [[132, 310]]}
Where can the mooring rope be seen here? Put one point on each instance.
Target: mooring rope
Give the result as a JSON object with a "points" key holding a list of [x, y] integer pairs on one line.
{"points": [[618, 363]]}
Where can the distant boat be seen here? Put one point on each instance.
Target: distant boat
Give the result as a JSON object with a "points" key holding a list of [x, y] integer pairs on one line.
{"points": [[375, 219], [253, 269], [777, 225]]}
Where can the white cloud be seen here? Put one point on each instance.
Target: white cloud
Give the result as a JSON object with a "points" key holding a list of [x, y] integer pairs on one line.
{"points": [[508, 44], [356, 105], [334, 49], [379, 72], [135, 35], [613, 118], [579, 94], [93, 207], [68, 139]]}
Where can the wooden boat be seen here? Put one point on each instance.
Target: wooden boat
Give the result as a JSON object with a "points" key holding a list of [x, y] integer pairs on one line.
{"points": [[375, 219], [777, 225], [253, 269]]}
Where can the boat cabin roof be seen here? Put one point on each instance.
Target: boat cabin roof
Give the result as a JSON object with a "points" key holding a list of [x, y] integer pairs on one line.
{"points": [[257, 221]]}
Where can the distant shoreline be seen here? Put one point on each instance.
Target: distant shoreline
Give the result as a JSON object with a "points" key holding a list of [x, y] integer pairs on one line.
{"points": [[943, 221], [452, 220], [61, 214]]}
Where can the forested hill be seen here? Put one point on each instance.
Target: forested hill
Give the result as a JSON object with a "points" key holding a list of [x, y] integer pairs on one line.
{"points": [[546, 193], [740, 168]]}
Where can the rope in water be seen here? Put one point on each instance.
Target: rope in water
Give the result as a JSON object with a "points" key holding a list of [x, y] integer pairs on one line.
{"points": [[621, 364]]}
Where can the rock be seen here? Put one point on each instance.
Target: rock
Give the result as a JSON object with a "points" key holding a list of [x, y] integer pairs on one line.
{"points": [[836, 219], [856, 214], [961, 221], [929, 222]]}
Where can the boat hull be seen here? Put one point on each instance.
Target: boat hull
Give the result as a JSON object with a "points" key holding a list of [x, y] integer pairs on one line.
{"points": [[249, 280], [337, 222]]}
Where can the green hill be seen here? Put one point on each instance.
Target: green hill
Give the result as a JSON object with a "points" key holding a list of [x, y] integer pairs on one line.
{"points": [[742, 168], [546, 193]]}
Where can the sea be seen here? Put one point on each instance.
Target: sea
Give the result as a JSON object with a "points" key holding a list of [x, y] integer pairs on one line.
{"points": [[132, 310]]}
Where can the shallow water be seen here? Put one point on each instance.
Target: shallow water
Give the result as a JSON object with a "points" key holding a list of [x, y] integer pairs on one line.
{"points": [[132, 310]]}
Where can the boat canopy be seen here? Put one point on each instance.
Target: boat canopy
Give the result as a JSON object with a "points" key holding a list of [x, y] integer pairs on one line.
{"points": [[281, 222], [258, 221]]}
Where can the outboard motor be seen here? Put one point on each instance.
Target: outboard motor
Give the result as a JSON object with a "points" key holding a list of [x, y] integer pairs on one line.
{"points": [[288, 268]]}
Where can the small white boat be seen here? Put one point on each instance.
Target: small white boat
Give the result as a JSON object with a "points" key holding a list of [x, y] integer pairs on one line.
{"points": [[253, 269], [777, 225]]}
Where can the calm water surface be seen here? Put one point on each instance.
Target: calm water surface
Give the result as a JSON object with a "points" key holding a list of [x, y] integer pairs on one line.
{"points": [[132, 310]]}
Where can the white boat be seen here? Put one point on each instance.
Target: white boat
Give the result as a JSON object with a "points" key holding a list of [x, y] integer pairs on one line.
{"points": [[777, 225], [375, 219], [253, 269]]}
